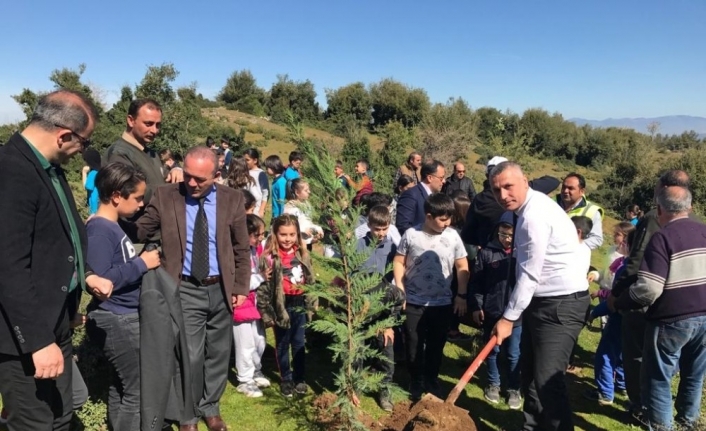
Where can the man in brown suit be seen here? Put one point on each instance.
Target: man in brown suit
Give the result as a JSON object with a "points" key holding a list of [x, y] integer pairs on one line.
{"points": [[205, 245]]}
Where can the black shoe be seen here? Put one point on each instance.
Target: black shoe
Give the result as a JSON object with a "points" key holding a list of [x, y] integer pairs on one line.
{"points": [[287, 388], [415, 391], [301, 388], [385, 400], [433, 387]]}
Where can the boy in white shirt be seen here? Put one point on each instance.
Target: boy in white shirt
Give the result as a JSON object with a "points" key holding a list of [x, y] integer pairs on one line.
{"points": [[423, 269]]}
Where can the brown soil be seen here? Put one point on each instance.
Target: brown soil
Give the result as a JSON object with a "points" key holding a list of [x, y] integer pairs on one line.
{"points": [[428, 415], [329, 418]]}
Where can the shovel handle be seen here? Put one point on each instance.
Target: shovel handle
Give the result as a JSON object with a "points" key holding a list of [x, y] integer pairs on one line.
{"points": [[456, 391]]}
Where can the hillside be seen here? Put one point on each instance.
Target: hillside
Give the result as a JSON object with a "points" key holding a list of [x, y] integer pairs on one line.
{"points": [[272, 138]]}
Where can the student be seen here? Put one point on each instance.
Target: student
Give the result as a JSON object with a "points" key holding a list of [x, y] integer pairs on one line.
{"points": [[608, 369], [281, 299], [490, 293], [404, 182], [340, 174], [293, 171], [248, 331], [298, 205], [252, 159], [633, 214], [274, 168], [364, 186], [615, 255], [249, 201], [369, 201], [239, 178], [381, 256], [89, 172], [423, 267], [458, 220], [114, 323]]}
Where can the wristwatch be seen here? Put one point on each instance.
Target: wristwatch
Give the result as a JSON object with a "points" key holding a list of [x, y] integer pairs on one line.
{"points": [[462, 295]]}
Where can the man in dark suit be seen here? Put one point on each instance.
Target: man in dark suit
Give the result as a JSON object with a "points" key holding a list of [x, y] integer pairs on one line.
{"points": [[410, 206], [206, 246], [42, 262]]}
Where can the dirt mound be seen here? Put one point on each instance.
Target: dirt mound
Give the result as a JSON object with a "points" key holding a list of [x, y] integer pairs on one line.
{"points": [[425, 415], [428, 416]]}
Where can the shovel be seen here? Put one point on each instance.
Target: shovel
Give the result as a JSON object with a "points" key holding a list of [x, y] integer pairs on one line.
{"points": [[456, 391]]}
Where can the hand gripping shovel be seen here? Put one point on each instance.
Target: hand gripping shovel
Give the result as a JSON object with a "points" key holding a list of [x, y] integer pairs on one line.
{"points": [[456, 391]]}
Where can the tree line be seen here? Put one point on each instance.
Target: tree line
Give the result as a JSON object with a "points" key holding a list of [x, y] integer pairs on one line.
{"points": [[404, 118]]}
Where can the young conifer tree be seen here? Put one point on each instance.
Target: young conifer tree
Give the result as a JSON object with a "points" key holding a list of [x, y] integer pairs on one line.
{"points": [[352, 310]]}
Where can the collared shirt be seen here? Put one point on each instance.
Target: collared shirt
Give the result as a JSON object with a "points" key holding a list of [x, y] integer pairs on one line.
{"points": [[426, 187], [549, 259], [362, 230], [79, 267], [192, 208]]}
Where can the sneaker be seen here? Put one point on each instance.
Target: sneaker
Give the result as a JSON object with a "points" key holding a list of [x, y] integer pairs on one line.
{"points": [[249, 389], [595, 395], [492, 394], [385, 400], [287, 388], [514, 400], [262, 382], [301, 388], [415, 391]]}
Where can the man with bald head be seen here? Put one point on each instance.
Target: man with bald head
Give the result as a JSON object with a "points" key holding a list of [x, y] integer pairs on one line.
{"points": [[550, 293], [633, 322], [42, 262], [671, 283], [460, 181], [205, 246]]}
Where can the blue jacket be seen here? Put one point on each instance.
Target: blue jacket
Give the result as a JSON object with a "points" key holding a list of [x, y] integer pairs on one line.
{"points": [[410, 208]]}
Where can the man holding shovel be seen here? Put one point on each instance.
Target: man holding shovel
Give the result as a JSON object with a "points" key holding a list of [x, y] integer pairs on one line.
{"points": [[551, 295]]}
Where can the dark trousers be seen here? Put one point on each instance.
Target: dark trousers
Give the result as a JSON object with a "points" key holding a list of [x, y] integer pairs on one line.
{"points": [[633, 335], [207, 322], [38, 405], [425, 330], [386, 364], [118, 335], [292, 338], [551, 327]]}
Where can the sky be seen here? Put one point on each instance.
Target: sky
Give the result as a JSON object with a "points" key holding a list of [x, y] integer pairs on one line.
{"points": [[592, 59]]}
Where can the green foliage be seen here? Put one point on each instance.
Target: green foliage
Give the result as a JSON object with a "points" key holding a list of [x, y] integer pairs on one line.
{"points": [[355, 147], [398, 141], [242, 93], [350, 103], [298, 98], [353, 315], [394, 101], [448, 131]]}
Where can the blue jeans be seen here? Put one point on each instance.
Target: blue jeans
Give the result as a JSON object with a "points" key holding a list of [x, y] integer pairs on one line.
{"points": [[511, 346], [119, 337], [291, 337], [608, 362], [668, 345]]}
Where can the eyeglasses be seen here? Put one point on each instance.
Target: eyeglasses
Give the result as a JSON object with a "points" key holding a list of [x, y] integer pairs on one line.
{"points": [[505, 235], [85, 142], [440, 178]]}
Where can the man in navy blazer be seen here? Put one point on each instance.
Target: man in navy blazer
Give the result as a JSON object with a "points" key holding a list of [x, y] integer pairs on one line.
{"points": [[410, 206]]}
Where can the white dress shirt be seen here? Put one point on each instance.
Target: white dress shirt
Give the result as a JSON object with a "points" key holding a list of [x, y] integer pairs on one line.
{"points": [[549, 259]]}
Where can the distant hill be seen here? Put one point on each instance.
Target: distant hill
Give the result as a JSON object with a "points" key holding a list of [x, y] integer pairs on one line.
{"points": [[668, 125]]}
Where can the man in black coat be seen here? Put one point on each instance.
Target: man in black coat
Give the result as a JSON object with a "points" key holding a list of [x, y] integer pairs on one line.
{"points": [[485, 211], [460, 181], [42, 262]]}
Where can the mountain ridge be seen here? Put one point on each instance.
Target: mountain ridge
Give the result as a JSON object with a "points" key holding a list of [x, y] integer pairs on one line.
{"points": [[668, 124]]}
